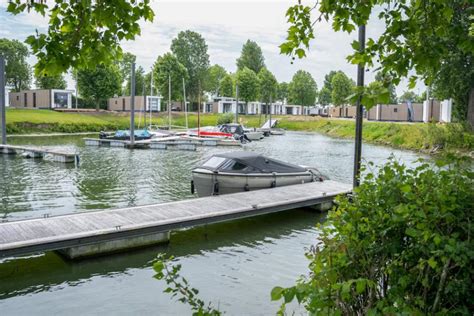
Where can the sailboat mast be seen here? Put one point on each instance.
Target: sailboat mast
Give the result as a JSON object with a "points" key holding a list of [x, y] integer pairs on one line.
{"points": [[185, 104], [151, 93], [169, 102], [199, 109]]}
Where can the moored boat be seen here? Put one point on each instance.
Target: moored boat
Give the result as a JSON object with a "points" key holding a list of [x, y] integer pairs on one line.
{"points": [[245, 171], [140, 134]]}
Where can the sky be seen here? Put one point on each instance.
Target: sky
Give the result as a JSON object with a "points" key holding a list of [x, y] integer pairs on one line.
{"points": [[225, 25]]}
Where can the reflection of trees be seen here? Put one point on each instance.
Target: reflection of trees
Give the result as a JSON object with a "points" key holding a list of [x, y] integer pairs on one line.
{"points": [[13, 186], [23, 276]]}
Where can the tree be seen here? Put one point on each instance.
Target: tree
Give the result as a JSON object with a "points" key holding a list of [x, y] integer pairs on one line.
{"points": [[324, 96], [226, 88], [247, 82], [432, 38], [267, 85], [251, 57], [50, 82], [282, 92], [82, 34], [342, 88], [125, 68], [409, 96], [18, 72], [386, 81], [302, 89], [215, 74], [167, 66], [99, 84], [190, 49]]}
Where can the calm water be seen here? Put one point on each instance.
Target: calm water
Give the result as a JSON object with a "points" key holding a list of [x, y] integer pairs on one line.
{"points": [[233, 264]]}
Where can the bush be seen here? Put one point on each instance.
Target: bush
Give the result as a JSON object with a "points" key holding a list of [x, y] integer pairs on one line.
{"points": [[225, 118], [401, 246]]}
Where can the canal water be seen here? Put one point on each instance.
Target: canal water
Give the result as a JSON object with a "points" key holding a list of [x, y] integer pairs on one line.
{"points": [[235, 265]]}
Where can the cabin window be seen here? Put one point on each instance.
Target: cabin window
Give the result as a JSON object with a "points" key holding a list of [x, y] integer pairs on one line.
{"points": [[233, 165], [214, 162]]}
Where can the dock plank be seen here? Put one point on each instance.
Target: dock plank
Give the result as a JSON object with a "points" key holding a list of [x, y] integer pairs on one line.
{"points": [[53, 233]]}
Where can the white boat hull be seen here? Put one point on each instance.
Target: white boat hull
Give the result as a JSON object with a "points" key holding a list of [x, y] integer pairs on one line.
{"points": [[209, 183], [254, 135]]}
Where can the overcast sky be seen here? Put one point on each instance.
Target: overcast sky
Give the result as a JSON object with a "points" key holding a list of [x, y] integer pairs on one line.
{"points": [[225, 25]]}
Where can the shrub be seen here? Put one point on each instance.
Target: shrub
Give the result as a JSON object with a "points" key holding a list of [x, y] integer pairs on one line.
{"points": [[225, 118], [402, 245]]}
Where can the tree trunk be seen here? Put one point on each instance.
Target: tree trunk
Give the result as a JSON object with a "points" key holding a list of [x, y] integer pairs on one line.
{"points": [[470, 109], [97, 105]]}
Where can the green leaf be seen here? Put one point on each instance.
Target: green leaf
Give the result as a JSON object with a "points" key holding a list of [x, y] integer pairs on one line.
{"points": [[276, 293]]}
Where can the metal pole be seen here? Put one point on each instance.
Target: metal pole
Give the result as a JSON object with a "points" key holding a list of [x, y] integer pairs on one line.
{"points": [[185, 105], [270, 114], [199, 107], [2, 99], [132, 107], [77, 90], [169, 102], [236, 103], [359, 112], [151, 93]]}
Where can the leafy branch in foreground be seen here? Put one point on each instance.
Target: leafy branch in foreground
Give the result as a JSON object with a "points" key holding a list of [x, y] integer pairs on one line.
{"points": [[82, 34], [179, 286], [402, 245]]}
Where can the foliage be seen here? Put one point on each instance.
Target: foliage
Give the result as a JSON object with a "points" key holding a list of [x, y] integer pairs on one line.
{"points": [[215, 74], [99, 84], [51, 82], [302, 89], [179, 286], [225, 118], [455, 80], [82, 34], [139, 83], [18, 72], [226, 88], [386, 81], [267, 85], [424, 36], [251, 57], [167, 66], [247, 82], [190, 49], [125, 68], [324, 96], [410, 96], [401, 245], [341, 89], [282, 91]]}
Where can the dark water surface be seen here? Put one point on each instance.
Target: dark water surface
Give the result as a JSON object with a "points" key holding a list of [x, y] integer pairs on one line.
{"points": [[233, 264]]}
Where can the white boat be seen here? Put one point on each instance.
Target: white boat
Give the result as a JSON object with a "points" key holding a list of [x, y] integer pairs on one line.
{"points": [[245, 171], [277, 131]]}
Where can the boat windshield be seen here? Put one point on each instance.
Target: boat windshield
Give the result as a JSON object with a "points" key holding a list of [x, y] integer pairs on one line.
{"points": [[214, 162], [236, 166]]}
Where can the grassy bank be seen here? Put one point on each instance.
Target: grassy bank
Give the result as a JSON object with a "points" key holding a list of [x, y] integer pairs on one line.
{"points": [[418, 136]]}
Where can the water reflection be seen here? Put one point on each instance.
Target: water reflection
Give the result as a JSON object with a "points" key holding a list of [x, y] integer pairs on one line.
{"points": [[233, 264]]}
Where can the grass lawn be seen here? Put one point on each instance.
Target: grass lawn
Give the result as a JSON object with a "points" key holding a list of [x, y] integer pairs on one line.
{"points": [[414, 136]]}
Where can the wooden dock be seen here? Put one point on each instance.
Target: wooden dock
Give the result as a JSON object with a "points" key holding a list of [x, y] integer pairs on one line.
{"points": [[93, 233], [39, 152], [173, 142]]}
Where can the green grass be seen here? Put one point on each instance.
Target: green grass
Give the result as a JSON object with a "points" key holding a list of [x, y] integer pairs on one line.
{"points": [[414, 136]]}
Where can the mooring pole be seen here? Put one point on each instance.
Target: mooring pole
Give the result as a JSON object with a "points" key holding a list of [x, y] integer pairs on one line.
{"points": [[199, 108], [185, 105], [236, 103], [169, 102], [359, 112], [132, 107], [2, 100]]}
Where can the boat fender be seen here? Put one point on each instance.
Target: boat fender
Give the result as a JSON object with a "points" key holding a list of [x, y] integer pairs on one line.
{"points": [[273, 184], [216, 188], [192, 186], [246, 187]]}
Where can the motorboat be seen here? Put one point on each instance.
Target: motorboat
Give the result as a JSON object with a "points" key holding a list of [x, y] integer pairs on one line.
{"points": [[241, 133], [139, 134], [210, 132], [246, 171], [253, 134]]}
